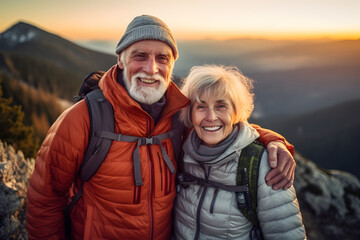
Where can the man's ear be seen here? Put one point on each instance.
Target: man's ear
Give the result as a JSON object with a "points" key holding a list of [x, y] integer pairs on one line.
{"points": [[119, 62]]}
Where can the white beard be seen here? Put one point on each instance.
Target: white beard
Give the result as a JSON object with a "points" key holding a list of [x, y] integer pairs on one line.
{"points": [[143, 94]]}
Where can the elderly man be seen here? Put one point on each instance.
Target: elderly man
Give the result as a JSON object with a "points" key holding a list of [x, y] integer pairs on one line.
{"points": [[124, 200]]}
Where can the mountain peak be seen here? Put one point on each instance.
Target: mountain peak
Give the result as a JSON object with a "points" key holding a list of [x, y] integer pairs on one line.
{"points": [[17, 34], [22, 24]]}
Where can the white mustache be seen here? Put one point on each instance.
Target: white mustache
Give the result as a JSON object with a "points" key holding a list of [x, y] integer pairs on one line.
{"points": [[144, 75]]}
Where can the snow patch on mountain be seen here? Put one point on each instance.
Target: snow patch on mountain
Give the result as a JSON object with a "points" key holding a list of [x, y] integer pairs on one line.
{"points": [[18, 34], [17, 38]]}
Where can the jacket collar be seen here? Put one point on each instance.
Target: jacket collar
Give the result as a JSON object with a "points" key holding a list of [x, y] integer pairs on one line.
{"points": [[118, 96], [246, 135]]}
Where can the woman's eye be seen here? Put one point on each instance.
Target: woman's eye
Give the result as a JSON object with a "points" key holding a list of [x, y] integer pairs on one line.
{"points": [[200, 107], [222, 106]]}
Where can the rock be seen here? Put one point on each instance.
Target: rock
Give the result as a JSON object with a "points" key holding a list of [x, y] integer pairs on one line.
{"points": [[329, 201], [15, 172]]}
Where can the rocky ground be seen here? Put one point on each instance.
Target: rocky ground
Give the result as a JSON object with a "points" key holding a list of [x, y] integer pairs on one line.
{"points": [[15, 172], [329, 199]]}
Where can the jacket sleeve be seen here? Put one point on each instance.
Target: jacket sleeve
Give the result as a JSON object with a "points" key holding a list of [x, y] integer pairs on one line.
{"points": [[278, 211], [267, 136], [56, 164]]}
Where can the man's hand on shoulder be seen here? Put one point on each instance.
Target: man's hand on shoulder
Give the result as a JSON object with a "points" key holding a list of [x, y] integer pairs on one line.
{"points": [[283, 166]]}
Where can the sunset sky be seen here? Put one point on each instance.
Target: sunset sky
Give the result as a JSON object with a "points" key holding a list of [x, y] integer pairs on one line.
{"points": [[190, 19]]}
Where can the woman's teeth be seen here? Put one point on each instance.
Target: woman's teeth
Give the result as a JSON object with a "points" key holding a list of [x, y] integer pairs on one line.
{"points": [[215, 128]]}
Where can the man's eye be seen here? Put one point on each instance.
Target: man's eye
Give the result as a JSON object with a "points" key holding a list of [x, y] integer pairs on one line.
{"points": [[163, 59], [139, 56]]}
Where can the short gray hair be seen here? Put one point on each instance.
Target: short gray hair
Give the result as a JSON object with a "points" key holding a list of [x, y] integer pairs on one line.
{"points": [[219, 80]]}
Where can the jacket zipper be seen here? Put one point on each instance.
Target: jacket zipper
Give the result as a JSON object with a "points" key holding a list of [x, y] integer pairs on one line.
{"points": [[202, 197], [151, 217]]}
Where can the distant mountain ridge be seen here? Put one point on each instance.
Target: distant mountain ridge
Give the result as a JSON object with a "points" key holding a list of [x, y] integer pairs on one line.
{"points": [[19, 33], [26, 43], [291, 76], [30, 40], [39, 70], [329, 136]]}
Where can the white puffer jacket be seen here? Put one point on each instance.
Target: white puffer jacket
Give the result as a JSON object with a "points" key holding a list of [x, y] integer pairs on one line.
{"points": [[278, 211]]}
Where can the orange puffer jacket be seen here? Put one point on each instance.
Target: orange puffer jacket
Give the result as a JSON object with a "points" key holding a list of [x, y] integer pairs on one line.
{"points": [[111, 206]]}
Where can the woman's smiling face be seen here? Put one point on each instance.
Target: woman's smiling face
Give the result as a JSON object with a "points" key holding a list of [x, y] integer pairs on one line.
{"points": [[212, 118]]}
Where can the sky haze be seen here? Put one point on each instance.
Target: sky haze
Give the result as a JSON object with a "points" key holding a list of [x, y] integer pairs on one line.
{"points": [[107, 19]]}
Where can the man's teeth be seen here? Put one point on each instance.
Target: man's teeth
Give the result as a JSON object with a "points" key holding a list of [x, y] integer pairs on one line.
{"points": [[147, 80], [212, 128]]}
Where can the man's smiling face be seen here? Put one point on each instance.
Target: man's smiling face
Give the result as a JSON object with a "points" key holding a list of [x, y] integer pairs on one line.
{"points": [[147, 66]]}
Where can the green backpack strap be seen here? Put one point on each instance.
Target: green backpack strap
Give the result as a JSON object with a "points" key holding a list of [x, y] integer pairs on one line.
{"points": [[248, 174]]}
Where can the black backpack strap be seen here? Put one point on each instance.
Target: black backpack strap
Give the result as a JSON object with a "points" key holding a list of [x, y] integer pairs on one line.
{"points": [[188, 179], [178, 129], [248, 174], [140, 142], [101, 116], [101, 119], [185, 179]]}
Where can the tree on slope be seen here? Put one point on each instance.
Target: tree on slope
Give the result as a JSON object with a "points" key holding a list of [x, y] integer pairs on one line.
{"points": [[12, 129]]}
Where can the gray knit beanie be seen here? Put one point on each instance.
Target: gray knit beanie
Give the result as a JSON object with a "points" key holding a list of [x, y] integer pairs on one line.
{"points": [[147, 27]]}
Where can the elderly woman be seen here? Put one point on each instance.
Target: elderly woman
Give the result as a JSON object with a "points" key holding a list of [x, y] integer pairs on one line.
{"points": [[221, 103]]}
